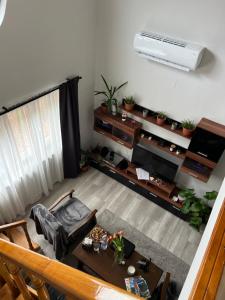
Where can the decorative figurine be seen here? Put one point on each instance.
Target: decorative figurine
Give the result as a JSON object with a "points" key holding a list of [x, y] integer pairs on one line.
{"points": [[172, 148], [174, 126], [124, 116], [178, 152]]}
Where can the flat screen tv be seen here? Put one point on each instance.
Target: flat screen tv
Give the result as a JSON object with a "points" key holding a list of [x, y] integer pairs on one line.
{"points": [[154, 164]]}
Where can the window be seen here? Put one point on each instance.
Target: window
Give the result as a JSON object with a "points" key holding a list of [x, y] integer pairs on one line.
{"points": [[30, 136]]}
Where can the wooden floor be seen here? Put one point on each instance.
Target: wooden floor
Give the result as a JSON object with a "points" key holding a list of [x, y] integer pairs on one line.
{"points": [[99, 191]]}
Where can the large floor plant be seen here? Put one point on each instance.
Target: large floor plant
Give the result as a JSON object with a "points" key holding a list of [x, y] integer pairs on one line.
{"points": [[196, 208], [109, 93]]}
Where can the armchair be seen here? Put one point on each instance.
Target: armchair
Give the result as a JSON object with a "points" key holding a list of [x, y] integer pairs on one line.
{"points": [[67, 221]]}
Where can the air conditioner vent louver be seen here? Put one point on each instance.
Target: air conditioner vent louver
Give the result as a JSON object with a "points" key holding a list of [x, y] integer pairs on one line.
{"points": [[152, 36], [163, 39], [173, 42]]}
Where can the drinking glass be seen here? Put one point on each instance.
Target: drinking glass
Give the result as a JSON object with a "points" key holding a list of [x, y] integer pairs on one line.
{"points": [[96, 246], [104, 242]]}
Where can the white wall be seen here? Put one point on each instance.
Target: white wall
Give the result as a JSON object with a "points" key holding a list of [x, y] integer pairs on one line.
{"points": [[158, 87], [44, 42]]}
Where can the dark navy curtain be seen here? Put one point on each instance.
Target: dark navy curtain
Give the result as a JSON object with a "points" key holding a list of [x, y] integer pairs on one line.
{"points": [[70, 128]]}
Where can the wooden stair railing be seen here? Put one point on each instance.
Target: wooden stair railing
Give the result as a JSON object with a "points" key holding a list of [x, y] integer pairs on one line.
{"points": [[74, 284], [213, 263], [13, 232]]}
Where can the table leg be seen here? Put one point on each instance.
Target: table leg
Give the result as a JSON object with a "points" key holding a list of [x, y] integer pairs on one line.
{"points": [[80, 265]]}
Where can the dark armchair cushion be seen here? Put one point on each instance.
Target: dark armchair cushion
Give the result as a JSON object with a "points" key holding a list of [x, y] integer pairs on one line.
{"points": [[72, 215]]}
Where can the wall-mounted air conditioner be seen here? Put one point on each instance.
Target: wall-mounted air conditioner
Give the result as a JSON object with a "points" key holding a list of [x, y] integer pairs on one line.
{"points": [[178, 54]]}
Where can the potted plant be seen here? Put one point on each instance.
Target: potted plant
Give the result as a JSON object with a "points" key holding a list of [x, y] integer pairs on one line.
{"points": [[194, 207], [210, 198], [104, 107], [109, 93], [188, 127], [161, 118], [129, 103], [84, 166], [118, 244], [185, 193]]}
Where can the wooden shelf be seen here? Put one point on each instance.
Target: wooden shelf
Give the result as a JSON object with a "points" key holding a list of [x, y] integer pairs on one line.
{"points": [[112, 137], [202, 160], [150, 192], [137, 111], [124, 133], [196, 169], [166, 149], [195, 174], [165, 187], [155, 143], [155, 189], [129, 125]]}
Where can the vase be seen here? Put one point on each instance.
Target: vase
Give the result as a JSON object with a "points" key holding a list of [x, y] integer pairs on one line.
{"points": [[145, 113], [119, 256], [114, 107]]}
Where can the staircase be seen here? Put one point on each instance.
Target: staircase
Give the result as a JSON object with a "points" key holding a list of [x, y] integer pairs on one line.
{"points": [[26, 275], [17, 233]]}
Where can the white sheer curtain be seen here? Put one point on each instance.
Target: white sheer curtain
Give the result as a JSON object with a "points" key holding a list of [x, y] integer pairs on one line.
{"points": [[30, 154]]}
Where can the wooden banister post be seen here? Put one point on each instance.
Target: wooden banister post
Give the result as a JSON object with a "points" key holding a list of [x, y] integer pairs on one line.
{"points": [[40, 287], [9, 235], [24, 226], [20, 283], [7, 278], [73, 283], [2, 281]]}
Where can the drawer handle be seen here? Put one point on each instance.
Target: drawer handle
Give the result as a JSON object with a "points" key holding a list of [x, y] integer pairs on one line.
{"points": [[152, 194], [176, 207], [132, 182], [112, 171], [192, 174]]}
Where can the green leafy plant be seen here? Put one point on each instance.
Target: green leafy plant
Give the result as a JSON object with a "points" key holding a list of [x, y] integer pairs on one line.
{"points": [[129, 100], [84, 158], [110, 92], [161, 115], [198, 212], [210, 196], [188, 124]]}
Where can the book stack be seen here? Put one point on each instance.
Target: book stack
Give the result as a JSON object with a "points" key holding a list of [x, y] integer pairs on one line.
{"points": [[138, 286]]}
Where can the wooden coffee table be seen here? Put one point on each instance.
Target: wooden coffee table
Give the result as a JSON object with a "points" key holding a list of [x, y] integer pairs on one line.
{"points": [[103, 265]]}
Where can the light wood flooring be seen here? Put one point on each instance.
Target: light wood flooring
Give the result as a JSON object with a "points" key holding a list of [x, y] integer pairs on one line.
{"points": [[99, 191]]}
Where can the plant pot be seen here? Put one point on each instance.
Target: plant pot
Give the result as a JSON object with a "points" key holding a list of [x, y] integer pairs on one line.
{"points": [[104, 108], [160, 121], [187, 132], [181, 199], [84, 168], [128, 107]]}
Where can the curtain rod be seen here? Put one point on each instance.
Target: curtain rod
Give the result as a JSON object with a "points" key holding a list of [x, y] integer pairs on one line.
{"points": [[8, 109]]}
